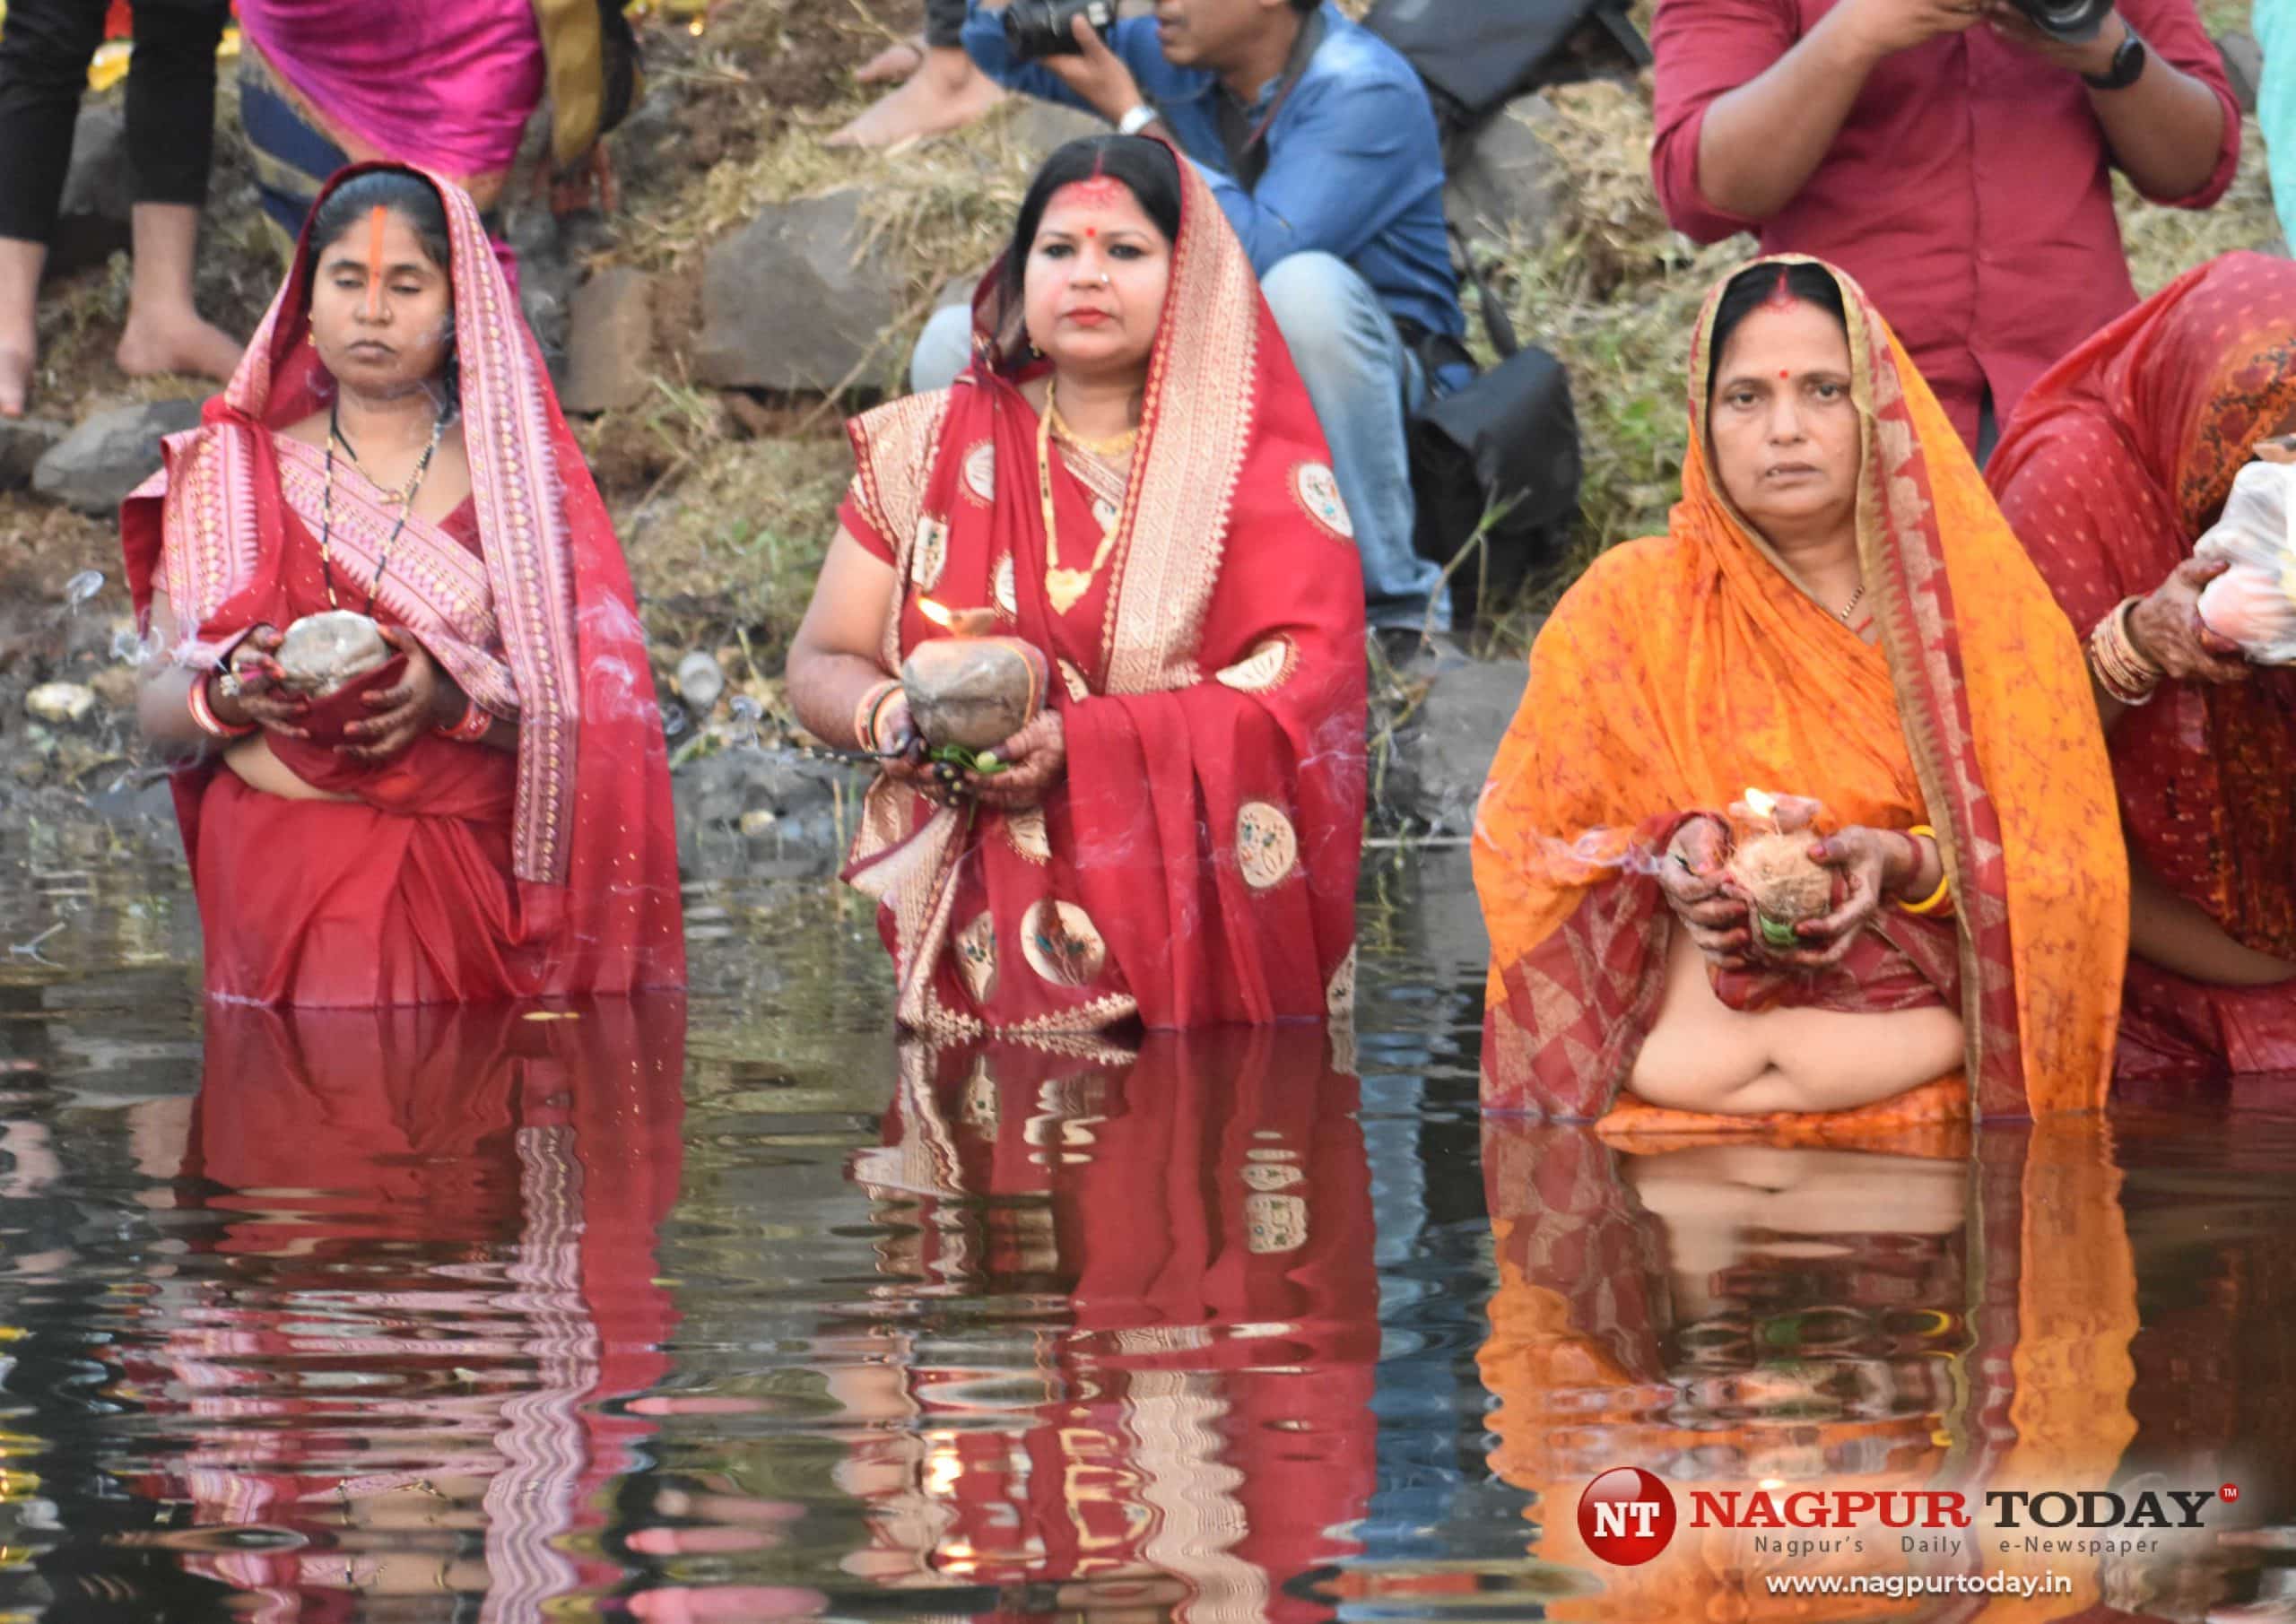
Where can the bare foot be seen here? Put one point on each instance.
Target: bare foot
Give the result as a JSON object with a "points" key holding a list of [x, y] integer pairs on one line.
{"points": [[947, 92], [15, 380], [177, 343], [896, 62]]}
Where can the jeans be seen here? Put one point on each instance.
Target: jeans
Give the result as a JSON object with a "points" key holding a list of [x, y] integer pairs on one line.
{"points": [[45, 46], [1363, 383]]}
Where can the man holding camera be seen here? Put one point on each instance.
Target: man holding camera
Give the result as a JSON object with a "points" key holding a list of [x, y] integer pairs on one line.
{"points": [[1953, 155], [1318, 140]]}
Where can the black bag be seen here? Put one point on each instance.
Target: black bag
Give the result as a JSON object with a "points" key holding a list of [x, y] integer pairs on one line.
{"points": [[1500, 454], [1476, 56]]}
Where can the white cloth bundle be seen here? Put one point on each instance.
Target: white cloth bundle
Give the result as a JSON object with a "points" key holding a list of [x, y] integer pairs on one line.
{"points": [[2254, 602]]}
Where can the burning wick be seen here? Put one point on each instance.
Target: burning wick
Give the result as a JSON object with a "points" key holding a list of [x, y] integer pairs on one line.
{"points": [[1764, 806], [959, 622]]}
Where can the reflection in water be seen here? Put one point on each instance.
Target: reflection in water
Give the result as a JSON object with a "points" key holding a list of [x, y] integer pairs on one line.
{"points": [[459, 1315], [418, 1266], [1169, 1417], [1742, 1317]]}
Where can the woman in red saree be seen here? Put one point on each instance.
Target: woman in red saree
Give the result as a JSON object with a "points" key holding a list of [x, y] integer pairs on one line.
{"points": [[1130, 479], [2118, 461], [1838, 612], [487, 816]]}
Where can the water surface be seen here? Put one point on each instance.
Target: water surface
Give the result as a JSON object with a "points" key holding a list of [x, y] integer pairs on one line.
{"points": [[727, 1308]]}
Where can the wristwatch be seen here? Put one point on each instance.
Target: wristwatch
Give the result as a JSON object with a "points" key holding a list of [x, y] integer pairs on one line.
{"points": [[1140, 117], [2128, 62]]}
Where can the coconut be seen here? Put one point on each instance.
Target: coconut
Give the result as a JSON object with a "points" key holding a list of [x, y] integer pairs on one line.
{"points": [[322, 653], [975, 692], [1785, 886]]}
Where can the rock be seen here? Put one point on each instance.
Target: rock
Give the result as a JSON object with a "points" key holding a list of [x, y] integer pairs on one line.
{"points": [[1042, 127], [1507, 178], [94, 467], [759, 813], [23, 441], [115, 686], [700, 681], [92, 222], [2243, 66], [610, 345], [1443, 758], [797, 299], [322, 653], [61, 704]]}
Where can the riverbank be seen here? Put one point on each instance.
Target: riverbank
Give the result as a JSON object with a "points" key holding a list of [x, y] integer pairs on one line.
{"points": [[754, 287]]}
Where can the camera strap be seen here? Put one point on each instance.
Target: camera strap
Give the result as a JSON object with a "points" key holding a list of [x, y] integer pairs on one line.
{"points": [[1245, 142]]}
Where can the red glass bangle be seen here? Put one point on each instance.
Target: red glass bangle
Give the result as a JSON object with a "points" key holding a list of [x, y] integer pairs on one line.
{"points": [[204, 716]]}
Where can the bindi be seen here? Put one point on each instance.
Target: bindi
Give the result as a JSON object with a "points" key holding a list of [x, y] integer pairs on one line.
{"points": [[375, 261]]}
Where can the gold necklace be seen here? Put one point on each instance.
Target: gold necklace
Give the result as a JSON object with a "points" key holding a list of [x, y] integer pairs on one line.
{"points": [[1115, 446], [1850, 608], [1063, 586]]}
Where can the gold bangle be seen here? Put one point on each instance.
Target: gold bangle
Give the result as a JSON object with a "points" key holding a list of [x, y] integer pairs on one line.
{"points": [[1937, 899]]}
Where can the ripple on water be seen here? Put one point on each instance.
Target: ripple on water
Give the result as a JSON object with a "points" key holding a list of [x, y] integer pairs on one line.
{"points": [[729, 1310]]}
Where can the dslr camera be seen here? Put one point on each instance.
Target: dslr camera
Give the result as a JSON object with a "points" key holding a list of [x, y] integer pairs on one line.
{"points": [[1038, 29], [2074, 20]]}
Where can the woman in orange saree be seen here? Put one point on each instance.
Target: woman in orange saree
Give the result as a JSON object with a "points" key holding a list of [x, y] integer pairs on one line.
{"points": [[1129, 480], [487, 816], [2118, 461], [1837, 612]]}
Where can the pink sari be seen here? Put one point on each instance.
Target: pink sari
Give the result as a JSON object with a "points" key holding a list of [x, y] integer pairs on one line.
{"points": [[447, 85]]}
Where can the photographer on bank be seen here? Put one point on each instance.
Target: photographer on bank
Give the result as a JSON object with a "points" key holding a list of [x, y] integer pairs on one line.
{"points": [[1318, 140], [1953, 155]]}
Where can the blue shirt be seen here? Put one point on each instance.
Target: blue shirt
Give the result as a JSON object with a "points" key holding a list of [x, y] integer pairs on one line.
{"points": [[1354, 166]]}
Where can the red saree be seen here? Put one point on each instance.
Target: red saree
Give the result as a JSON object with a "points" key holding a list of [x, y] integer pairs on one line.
{"points": [[1197, 863], [2116, 461], [1683, 669], [453, 873]]}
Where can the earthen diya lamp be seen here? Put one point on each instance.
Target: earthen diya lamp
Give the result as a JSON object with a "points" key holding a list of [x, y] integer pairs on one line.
{"points": [[970, 691]]}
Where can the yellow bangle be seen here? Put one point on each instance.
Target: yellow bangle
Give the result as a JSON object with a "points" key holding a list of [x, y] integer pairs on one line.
{"points": [[1937, 899]]}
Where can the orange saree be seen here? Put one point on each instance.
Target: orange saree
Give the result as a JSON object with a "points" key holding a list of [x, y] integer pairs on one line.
{"points": [[1685, 668]]}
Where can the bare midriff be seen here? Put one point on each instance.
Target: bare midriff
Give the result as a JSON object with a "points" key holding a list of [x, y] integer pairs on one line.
{"points": [[258, 768], [1703, 1055]]}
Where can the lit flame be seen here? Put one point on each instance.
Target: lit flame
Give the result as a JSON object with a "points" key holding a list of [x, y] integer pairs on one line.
{"points": [[1761, 805], [933, 613]]}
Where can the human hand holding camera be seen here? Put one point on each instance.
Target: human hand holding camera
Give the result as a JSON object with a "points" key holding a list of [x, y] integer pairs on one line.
{"points": [[1882, 28], [1096, 73], [2093, 56]]}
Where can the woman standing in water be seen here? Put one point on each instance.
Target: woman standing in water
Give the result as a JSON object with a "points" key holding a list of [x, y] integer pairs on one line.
{"points": [[1130, 479], [487, 816], [1837, 612]]}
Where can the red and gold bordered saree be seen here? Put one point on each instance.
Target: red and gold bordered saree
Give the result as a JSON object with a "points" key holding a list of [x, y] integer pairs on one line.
{"points": [[1684, 669], [1197, 863], [454, 871]]}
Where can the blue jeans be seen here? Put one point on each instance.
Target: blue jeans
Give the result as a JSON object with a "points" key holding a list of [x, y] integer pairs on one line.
{"points": [[1363, 383]]}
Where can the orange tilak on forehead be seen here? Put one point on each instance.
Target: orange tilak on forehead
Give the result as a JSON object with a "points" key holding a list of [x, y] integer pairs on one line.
{"points": [[375, 222]]}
